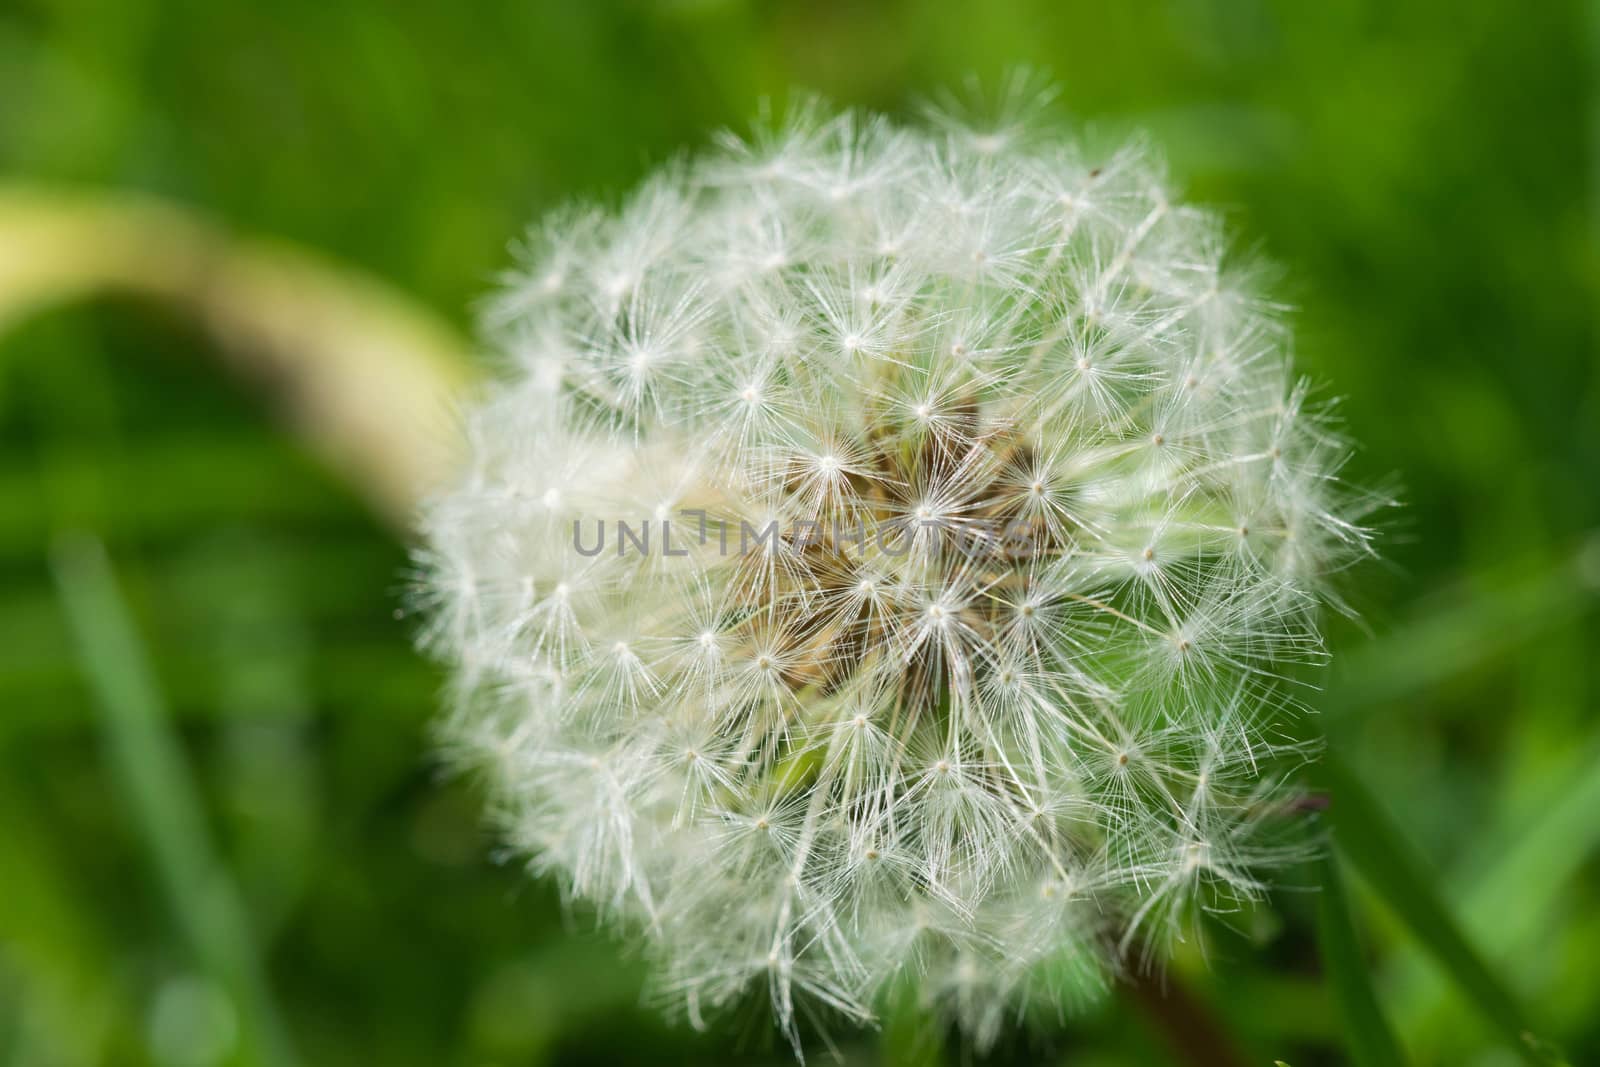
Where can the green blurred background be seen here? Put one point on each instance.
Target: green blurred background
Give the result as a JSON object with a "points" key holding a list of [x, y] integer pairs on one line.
{"points": [[1424, 172]]}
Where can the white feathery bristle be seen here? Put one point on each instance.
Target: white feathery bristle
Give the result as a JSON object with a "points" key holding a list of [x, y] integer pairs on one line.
{"points": [[880, 560]]}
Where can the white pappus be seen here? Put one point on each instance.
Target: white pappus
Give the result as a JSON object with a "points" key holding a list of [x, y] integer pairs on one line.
{"points": [[877, 564]]}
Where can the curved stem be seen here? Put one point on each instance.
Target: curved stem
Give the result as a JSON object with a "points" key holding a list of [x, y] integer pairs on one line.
{"points": [[361, 372], [1190, 1029]]}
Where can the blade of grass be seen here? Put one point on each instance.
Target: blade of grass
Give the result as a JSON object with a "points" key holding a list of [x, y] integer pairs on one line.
{"points": [[1369, 1039], [1510, 887], [1472, 625], [1399, 878], [161, 795], [907, 1038]]}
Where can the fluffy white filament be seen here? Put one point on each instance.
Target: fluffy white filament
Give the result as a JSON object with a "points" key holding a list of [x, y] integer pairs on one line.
{"points": [[982, 509]]}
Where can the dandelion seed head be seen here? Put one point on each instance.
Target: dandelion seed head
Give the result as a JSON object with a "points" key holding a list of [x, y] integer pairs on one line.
{"points": [[996, 514]]}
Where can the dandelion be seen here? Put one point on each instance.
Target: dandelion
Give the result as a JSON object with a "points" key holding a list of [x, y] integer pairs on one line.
{"points": [[958, 515]]}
